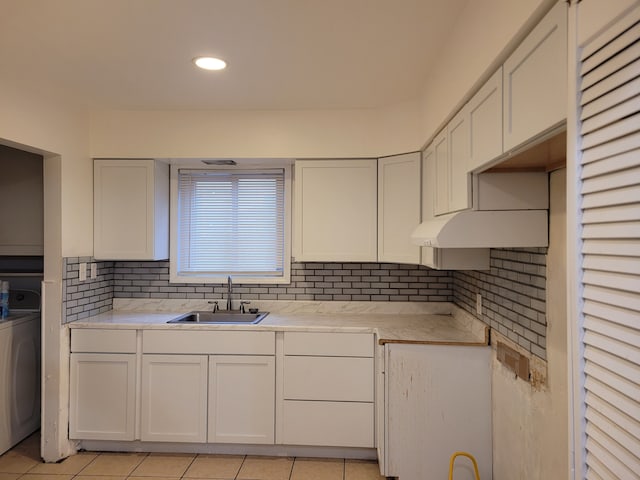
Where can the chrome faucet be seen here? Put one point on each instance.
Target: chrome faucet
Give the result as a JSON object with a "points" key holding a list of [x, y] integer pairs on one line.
{"points": [[229, 290]]}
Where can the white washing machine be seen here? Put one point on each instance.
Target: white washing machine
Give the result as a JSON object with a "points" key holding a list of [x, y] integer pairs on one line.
{"points": [[20, 369]]}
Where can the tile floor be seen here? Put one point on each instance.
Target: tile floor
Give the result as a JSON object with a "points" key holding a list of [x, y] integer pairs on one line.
{"points": [[23, 462]]}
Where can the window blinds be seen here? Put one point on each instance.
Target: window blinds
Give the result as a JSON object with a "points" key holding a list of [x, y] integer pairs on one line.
{"points": [[231, 223], [610, 161]]}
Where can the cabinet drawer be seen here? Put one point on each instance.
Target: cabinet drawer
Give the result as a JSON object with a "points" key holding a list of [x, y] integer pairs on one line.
{"points": [[103, 341], [214, 342], [336, 424], [329, 344], [328, 378]]}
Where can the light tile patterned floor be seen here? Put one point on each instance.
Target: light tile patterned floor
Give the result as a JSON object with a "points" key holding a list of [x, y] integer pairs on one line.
{"points": [[23, 463]]}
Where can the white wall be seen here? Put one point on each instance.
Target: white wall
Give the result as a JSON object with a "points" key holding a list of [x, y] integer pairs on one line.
{"points": [[483, 34], [51, 127], [255, 134], [530, 422], [485, 30]]}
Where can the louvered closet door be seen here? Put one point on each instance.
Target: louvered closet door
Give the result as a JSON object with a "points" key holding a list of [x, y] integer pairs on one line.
{"points": [[610, 130]]}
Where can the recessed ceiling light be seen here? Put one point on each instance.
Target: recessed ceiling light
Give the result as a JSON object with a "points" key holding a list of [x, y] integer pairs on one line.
{"points": [[210, 63]]}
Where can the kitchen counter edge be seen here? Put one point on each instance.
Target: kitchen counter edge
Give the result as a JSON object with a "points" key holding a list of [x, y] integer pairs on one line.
{"points": [[456, 328]]}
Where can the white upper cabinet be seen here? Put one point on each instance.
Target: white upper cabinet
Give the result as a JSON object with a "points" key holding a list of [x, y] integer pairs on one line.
{"points": [[428, 182], [440, 173], [441, 258], [399, 185], [131, 210], [336, 210], [459, 179], [451, 151], [535, 80], [485, 122]]}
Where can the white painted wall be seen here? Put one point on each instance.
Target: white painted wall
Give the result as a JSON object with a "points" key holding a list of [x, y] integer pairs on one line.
{"points": [[255, 134], [530, 424], [484, 32], [52, 126], [37, 123]]}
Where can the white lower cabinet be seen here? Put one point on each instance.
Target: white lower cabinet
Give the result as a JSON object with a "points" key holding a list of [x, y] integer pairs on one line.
{"points": [[328, 391], [208, 386], [102, 396], [174, 398], [427, 413], [219, 386], [103, 381], [322, 423], [241, 399]]}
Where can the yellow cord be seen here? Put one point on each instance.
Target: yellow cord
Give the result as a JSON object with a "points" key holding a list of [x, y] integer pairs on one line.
{"points": [[463, 454]]}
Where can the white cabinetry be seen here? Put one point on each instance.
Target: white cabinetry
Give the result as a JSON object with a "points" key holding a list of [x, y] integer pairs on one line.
{"points": [[398, 207], [485, 122], [215, 386], [451, 151], [328, 392], [459, 184], [174, 398], [102, 385], [427, 412], [440, 258], [241, 399], [535, 80], [441, 173], [336, 210], [131, 210]]}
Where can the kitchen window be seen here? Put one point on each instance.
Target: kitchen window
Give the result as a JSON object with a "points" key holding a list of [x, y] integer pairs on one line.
{"points": [[230, 223]]}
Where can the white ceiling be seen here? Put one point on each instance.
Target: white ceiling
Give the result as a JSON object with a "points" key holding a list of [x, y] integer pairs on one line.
{"points": [[282, 54]]}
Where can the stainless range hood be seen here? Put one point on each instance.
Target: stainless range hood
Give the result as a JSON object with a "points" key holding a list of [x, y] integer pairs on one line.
{"points": [[509, 210], [485, 229]]}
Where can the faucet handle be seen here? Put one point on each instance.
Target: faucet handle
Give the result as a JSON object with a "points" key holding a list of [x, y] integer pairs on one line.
{"points": [[242, 304], [215, 305]]}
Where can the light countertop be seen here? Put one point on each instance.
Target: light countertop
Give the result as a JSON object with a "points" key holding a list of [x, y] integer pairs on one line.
{"points": [[410, 322]]}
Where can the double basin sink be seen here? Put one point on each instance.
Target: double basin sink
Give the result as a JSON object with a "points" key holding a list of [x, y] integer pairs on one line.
{"points": [[220, 318]]}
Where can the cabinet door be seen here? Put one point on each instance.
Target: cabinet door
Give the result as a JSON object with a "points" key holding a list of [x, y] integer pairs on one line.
{"points": [[441, 173], [336, 210], [102, 396], [241, 399], [428, 182], [485, 122], [428, 196], [398, 207], [131, 210], [459, 182], [429, 415], [535, 80], [174, 398]]}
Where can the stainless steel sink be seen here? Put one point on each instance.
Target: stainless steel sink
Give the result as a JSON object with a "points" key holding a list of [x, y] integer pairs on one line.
{"points": [[220, 317]]}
